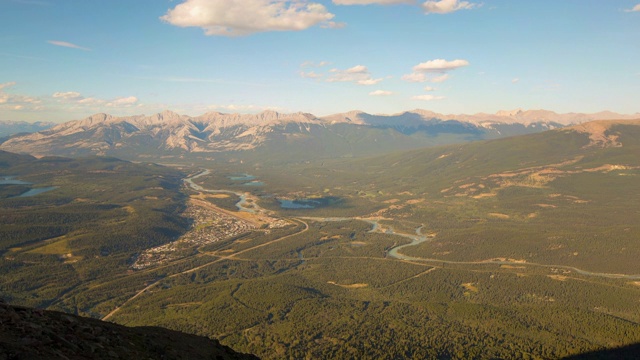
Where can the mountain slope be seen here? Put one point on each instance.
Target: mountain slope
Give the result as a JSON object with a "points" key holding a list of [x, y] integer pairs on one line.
{"points": [[290, 136], [39, 334], [558, 197], [8, 128]]}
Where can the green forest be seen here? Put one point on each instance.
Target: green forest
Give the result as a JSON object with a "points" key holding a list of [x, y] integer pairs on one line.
{"points": [[518, 248]]}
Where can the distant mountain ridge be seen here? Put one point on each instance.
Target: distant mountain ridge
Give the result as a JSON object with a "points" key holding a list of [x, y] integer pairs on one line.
{"points": [[8, 128], [517, 116], [348, 134]]}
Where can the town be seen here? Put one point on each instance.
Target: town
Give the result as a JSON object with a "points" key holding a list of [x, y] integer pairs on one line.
{"points": [[207, 226]]}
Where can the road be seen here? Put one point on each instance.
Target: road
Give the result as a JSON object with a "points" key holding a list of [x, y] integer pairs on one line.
{"points": [[222, 258]]}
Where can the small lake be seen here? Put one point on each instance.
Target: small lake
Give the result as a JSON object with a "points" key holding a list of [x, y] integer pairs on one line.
{"points": [[38, 191], [241, 177], [254, 183], [246, 179], [313, 203], [297, 204], [11, 180]]}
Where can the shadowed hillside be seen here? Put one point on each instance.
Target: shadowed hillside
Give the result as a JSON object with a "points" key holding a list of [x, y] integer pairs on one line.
{"points": [[41, 335]]}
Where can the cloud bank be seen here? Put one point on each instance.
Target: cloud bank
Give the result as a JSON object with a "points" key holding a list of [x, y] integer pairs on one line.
{"points": [[427, 97], [245, 17], [634, 9], [435, 71], [381, 93], [358, 74], [16, 102], [369, 2]]}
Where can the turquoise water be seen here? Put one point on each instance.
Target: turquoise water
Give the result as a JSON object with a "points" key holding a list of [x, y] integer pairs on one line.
{"points": [[10, 180], [38, 191], [312, 203], [298, 204], [242, 177], [254, 183]]}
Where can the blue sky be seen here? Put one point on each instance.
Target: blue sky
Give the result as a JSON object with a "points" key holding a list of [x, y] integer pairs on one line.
{"points": [[67, 59]]}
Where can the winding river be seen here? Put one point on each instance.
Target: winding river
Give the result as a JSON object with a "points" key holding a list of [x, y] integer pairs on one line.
{"points": [[242, 205], [420, 238], [416, 239]]}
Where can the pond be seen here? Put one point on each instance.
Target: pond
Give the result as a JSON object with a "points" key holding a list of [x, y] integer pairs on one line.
{"points": [[311, 203], [10, 180], [241, 177], [37, 191], [254, 183]]}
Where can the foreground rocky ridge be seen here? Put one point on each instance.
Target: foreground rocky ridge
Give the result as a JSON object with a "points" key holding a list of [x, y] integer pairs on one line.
{"points": [[27, 333]]}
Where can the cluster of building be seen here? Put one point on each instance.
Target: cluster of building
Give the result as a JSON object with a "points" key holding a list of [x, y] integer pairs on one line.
{"points": [[275, 223], [207, 226]]}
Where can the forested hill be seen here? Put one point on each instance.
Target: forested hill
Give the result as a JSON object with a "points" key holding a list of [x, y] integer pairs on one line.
{"points": [[65, 222]]}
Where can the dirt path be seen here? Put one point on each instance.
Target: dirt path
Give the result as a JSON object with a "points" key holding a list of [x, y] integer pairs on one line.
{"points": [[412, 277]]}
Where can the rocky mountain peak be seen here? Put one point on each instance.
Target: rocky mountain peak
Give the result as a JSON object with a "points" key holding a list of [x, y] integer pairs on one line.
{"points": [[509, 112], [167, 116]]}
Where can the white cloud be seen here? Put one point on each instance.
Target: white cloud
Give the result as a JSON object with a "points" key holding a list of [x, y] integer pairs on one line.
{"points": [[423, 77], [358, 69], [77, 100], [239, 108], [369, 81], [91, 101], [67, 95], [440, 65], [7, 85], [310, 75], [427, 97], [368, 2], [333, 25], [314, 64], [634, 9], [515, 80], [15, 101], [429, 88], [358, 74], [415, 77], [381, 93], [125, 101], [446, 6], [67, 44], [245, 17], [427, 70], [63, 102]]}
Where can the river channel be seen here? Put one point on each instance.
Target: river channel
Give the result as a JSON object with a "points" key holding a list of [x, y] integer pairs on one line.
{"points": [[416, 239], [242, 205]]}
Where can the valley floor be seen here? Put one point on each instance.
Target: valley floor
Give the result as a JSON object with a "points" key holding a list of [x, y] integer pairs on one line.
{"points": [[305, 286]]}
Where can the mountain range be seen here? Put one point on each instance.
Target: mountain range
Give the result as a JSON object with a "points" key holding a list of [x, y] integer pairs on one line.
{"points": [[8, 128], [529, 247], [354, 133]]}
